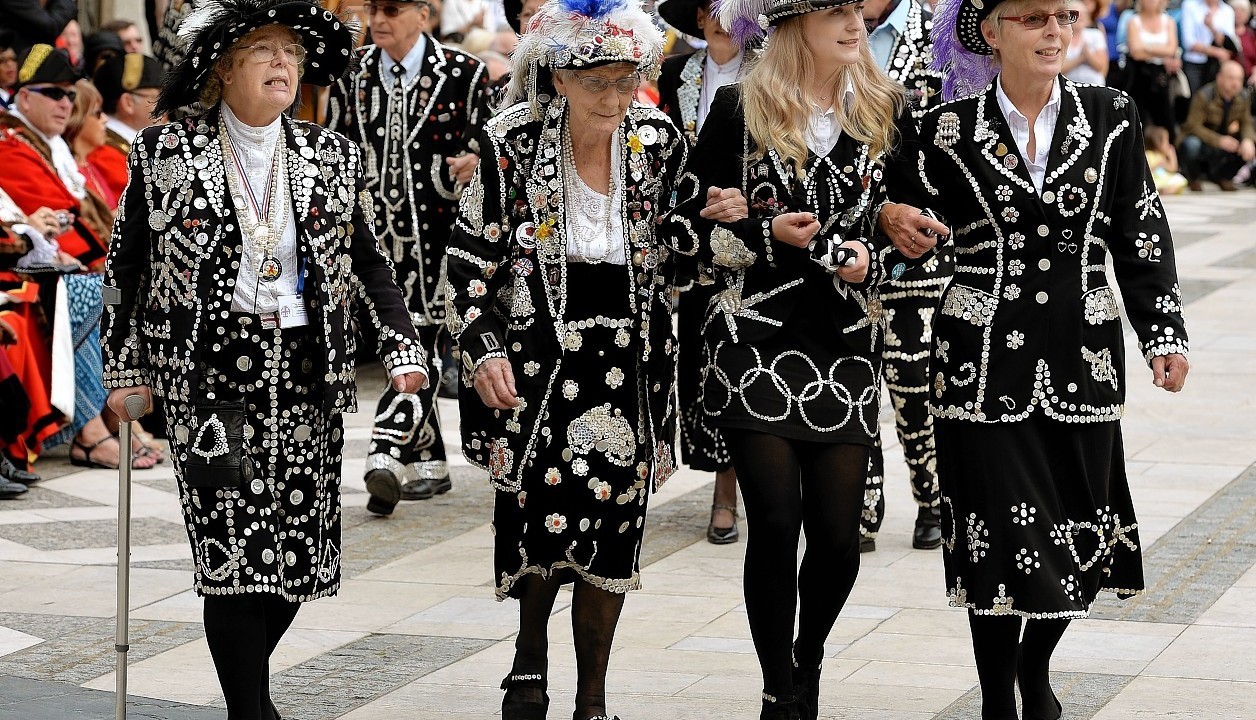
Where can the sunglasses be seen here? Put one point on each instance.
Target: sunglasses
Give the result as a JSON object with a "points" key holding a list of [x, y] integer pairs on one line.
{"points": [[55, 94], [1034, 21], [390, 10]]}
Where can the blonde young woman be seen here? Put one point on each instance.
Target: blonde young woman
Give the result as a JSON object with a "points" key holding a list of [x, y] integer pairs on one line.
{"points": [[795, 346]]}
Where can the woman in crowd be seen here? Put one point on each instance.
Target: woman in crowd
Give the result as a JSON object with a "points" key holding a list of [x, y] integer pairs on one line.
{"points": [[687, 86], [240, 245], [794, 329], [103, 167], [1087, 57], [1044, 180], [560, 299], [1152, 55]]}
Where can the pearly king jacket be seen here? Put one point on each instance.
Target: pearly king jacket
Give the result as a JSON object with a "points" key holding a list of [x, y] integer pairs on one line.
{"points": [[507, 289], [680, 90], [176, 244], [909, 61], [446, 105], [761, 280], [1029, 322]]}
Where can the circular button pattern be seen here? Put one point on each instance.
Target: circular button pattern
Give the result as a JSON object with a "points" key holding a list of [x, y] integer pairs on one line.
{"points": [[1044, 264], [1041, 298]]}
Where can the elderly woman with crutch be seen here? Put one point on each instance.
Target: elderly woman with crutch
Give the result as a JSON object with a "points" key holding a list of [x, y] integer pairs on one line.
{"points": [[1043, 180], [241, 244]]}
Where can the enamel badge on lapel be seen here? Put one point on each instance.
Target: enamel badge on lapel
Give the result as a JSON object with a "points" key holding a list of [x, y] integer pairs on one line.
{"points": [[1009, 161], [1001, 150]]}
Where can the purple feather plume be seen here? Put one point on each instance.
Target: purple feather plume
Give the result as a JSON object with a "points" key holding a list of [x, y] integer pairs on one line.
{"points": [[963, 73], [740, 18], [595, 9]]}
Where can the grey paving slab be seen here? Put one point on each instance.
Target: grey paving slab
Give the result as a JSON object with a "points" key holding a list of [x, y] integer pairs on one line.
{"points": [[78, 649], [352, 675], [93, 534], [1193, 564], [27, 699], [1083, 695], [40, 497]]}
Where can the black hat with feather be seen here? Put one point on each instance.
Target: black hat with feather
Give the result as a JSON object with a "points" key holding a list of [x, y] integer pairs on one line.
{"points": [[214, 26]]}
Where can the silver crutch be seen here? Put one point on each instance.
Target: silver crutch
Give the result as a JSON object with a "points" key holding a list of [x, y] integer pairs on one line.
{"points": [[135, 406]]}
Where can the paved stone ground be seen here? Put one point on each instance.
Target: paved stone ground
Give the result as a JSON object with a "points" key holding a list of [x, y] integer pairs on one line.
{"points": [[415, 632]]}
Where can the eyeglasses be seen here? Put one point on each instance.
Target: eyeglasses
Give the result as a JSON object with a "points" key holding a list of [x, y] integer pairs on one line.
{"points": [[54, 93], [146, 98], [390, 10], [1034, 21], [265, 52], [597, 85], [8, 58]]}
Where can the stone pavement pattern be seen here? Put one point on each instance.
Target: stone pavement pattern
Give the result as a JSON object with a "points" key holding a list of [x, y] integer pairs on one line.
{"points": [[415, 632]]}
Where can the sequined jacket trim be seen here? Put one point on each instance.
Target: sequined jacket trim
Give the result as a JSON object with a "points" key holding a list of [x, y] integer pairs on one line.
{"points": [[1029, 322], [759, 278], [680, 91], [507, 272], [446, 107], [176, 244]]}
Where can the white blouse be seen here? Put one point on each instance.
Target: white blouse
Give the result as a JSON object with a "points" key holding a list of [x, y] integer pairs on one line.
{"points": [[595, 222], [1043, 130], [256, 148]]}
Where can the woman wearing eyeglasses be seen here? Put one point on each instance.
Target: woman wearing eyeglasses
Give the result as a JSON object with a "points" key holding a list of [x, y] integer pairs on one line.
{"points": [[241, 246], [794, 330], [559, 296], [1044, 181]]}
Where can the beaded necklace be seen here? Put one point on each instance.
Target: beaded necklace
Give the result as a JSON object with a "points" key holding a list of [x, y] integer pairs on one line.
{"points": [[266, 220], [585, 205]]}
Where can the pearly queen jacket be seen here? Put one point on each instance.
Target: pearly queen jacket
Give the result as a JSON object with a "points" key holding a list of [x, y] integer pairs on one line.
{"points": [[175, 250], [507, 279], [1029, 322]]}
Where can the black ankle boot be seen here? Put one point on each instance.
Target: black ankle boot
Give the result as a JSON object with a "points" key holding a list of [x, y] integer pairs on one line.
{"points": [[807, 687], [779, 708], [517, 705]]}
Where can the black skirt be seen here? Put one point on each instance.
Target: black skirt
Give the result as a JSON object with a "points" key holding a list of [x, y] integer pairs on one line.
{"points": [[580, 510], [1036, 516], [278, 532], [802, 382]]}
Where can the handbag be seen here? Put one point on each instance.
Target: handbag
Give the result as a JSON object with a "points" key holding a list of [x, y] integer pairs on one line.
{"points": [[216, 457]]}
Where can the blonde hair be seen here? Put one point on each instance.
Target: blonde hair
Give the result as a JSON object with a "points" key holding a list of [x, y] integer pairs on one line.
{"points": [[778, 119], [87, 100]]}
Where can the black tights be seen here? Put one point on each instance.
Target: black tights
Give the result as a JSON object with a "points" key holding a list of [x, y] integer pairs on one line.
{"points": [[1005, 658], [594, 615], [242, 632], [790, 486]]}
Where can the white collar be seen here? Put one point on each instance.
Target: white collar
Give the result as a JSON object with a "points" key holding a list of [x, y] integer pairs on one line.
{"points": [[1008, 107], [259, 139], [121, 128], [732, 67], [897, 20], [411, 62]]}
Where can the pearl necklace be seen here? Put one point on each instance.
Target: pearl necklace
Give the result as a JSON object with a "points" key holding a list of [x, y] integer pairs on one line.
{"points": [[582, 201], [267, 222]]}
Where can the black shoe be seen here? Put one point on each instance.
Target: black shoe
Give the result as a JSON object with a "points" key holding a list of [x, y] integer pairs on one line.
{"points": [[867, 544], [928, 533], [807, 687], [10, 489], [11, 472], [385, 491], [779, 709], [426, 488], [515, 706], [722, 536]]}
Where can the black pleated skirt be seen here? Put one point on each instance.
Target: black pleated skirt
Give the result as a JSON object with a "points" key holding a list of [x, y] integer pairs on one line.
{"points": [[1036, 516]]}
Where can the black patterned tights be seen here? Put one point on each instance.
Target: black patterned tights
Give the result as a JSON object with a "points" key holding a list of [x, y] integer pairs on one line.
{"points": [[791, 486], [242, 632], [594, 615]]}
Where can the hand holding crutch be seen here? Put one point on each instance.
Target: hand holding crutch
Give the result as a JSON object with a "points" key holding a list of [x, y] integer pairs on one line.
{"points": [[129, 404]]}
